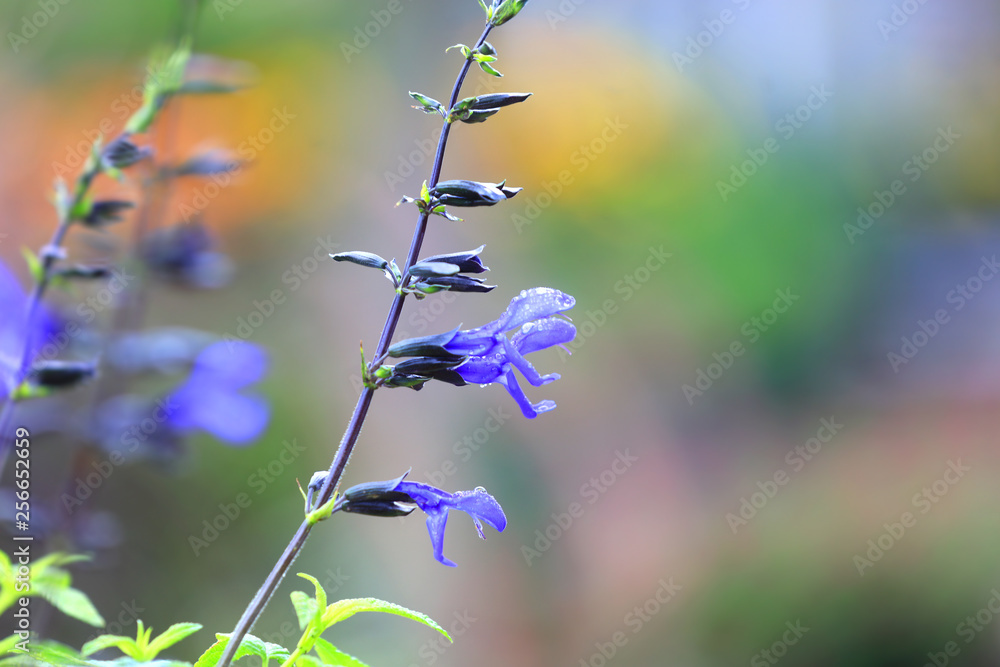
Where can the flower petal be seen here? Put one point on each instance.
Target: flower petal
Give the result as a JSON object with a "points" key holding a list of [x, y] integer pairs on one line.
{"points": [[231, 364], [543, 334], [534, 304], [482, 507], [229, 416], [436, 522], [530, 411], [515, 359], [480, 370]]}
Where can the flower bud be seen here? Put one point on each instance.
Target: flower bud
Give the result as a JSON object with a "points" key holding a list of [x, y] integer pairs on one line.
{"points": [[376, 499], [467, 262], [122, 153], [361, 258], [425, 346], [472, 193], [507, 10], [105, 212], [53, 374]]}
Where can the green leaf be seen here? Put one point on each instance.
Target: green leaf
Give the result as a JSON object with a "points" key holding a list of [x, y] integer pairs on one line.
{"points": [[166, 78], [333, 656], [50, 653], [249, 646], [7, 644], [276, 652], [76, 604], [486, 67], [427, 104], [320, 593], [344, 609], [306, 608], [35, 268], [309, 661], [466, 51], [171, 636], [124, 644]]}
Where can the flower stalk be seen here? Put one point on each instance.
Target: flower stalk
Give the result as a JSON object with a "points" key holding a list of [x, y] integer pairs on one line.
{"points": [[348, 441]]}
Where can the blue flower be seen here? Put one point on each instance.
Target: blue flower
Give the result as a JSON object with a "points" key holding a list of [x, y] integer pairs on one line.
{"points": [[383, 498], [210, 399], [490, 356]]}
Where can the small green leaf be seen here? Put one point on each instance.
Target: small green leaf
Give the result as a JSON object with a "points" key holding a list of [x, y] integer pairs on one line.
{"points": [[28, 390], [344, 609], [171, 636], [489, 70], [35, 268], [249, 646], [306, 608], [427, 104], [334, 657], [466, 51], [124, 644]]}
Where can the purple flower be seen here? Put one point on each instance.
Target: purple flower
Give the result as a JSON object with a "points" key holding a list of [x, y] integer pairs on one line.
{"points": [[383, 498], [210, 399], [490, 356], [14, 333]]}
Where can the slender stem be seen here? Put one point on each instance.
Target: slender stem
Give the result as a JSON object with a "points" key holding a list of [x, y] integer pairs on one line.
{"points": [[350, 438], [50, 253]]}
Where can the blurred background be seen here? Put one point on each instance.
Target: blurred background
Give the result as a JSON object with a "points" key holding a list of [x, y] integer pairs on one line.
{"points": [[777, 432]]}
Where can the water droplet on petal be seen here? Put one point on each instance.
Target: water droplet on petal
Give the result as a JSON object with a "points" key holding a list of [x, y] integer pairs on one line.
{"points": [[480, 489]]}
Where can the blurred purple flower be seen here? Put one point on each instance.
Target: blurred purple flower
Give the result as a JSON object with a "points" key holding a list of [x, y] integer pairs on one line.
{"points": [[210, 399], [492, 357], [185, 255], [14, 335], [383, 498]]}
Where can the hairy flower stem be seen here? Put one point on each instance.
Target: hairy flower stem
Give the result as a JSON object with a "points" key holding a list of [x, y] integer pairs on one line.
{"points": [[350, 438]]}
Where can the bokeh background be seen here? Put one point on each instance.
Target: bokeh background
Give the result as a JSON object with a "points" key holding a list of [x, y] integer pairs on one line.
{"points": [[747, 140]]}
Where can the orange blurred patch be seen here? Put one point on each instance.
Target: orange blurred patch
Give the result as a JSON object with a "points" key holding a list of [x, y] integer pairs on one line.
{"points": [[47, 132]]}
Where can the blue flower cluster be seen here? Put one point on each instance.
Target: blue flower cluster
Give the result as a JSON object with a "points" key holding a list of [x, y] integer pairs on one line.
{"points": [[486, 355]]}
